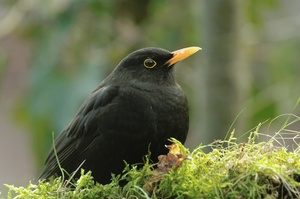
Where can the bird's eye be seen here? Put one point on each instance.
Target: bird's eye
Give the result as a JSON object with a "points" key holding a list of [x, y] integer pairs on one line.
{"points": [[149, 63]]}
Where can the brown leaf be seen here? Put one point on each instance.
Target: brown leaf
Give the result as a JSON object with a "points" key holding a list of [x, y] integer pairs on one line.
{"points": [[166, 163]]}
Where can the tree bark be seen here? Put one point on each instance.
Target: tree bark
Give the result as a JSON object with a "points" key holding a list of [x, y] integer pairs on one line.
{"points": [[220, 38]]}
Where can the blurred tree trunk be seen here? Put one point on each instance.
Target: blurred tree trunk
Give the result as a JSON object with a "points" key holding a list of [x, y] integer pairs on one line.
{"points": [[220, 40]]}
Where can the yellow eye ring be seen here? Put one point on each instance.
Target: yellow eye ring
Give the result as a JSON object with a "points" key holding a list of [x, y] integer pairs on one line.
{"points": [[149, 63]]}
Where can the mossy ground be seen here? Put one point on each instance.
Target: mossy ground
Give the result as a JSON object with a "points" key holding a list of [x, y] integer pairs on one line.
{"points": [[231, 170]]}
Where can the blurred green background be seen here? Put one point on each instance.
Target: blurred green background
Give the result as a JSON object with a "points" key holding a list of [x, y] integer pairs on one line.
{"points": [[53, 53]]}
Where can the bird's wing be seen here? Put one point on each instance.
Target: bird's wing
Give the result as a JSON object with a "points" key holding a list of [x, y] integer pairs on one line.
{"points": [[81, 133]]}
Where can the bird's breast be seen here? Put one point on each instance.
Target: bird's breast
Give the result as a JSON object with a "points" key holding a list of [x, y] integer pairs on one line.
{"points": [[157, 111]]}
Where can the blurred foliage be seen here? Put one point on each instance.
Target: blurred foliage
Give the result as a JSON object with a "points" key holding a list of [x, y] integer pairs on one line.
{"points": [[277, 73], [74, 44], [255, 9]]}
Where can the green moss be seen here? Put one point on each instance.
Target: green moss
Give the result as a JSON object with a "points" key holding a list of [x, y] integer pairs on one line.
{"points": [[230, 170]]}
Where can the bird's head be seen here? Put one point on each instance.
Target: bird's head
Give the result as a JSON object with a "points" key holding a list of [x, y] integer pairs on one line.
{"points": [[150, 65]]}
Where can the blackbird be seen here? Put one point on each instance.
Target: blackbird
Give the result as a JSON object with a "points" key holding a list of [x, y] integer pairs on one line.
{"points": [[136, 109]]}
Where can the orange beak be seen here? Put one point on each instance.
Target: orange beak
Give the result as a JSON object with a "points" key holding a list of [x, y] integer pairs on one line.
{"points": [[181, 54]]}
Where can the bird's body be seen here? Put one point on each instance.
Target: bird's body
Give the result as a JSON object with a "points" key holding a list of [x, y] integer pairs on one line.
{"points": [[136, 109]]}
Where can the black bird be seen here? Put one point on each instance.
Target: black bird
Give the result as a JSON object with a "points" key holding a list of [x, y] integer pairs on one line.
{"points": [[137, 108]]}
